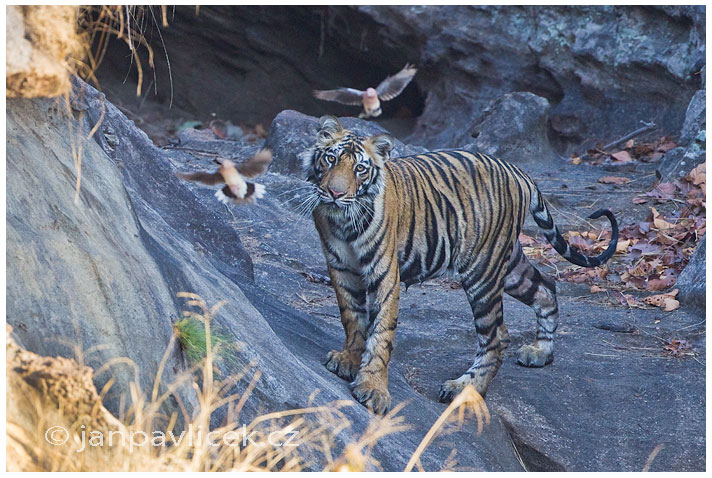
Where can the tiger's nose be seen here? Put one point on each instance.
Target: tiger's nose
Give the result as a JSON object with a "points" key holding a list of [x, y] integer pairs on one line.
{"points": [[336, 194]]}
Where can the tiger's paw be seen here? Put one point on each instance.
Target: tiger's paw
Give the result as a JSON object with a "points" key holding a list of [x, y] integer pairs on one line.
{"points": [[532, 356], [375, 399], [449, 390], [343, 364]]}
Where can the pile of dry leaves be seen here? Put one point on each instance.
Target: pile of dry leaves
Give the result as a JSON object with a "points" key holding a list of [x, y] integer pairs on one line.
{"points": [[632, 151], [650, 253]]}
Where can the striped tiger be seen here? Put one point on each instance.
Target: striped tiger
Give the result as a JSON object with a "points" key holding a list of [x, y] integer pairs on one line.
{"points": [[384, 221]]}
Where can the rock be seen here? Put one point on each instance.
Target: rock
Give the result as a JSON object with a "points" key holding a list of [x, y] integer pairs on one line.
{"points": [[514, 128], [694, 118], [40, 39], [602, 68], [678, 162], [586, 410], [692, 282], [50, 385], [82, 276], [292, 132], [586, 60]]}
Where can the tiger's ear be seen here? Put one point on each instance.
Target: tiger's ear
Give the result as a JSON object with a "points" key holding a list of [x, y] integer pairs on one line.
{"points": [[329, 127], [382, 144]]}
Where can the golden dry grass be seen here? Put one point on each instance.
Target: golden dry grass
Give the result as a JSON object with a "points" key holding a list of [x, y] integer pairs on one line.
{"points": [[96, 441]]}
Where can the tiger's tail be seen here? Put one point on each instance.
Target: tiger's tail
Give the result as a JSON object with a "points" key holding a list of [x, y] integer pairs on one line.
{"points": [[543, 219]]}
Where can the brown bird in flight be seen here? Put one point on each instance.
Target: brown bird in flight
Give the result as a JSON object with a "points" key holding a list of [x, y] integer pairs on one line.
{"points": [[372, 97], [236, 189]]}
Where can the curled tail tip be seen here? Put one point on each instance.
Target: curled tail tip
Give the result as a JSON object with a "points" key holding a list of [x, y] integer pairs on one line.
{"points": [[599, 213], [603, 212]]}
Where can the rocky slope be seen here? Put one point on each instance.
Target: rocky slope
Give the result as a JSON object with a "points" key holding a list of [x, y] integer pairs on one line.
{"points": [[103, 274]]}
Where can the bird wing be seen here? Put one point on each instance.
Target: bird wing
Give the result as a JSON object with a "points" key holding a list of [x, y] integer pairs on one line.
{"points": [[347, 96], [256, 165], [203, 177], [393, 85]]}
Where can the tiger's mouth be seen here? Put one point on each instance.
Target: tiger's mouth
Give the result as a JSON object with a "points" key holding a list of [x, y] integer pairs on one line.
{"points": [[342, 203]]}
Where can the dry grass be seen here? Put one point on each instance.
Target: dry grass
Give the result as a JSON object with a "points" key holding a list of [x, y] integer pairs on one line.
{"points": [[98, 24], [128, 445]]}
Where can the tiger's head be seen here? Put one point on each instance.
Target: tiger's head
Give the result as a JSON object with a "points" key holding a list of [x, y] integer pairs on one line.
{"points": [[344, 167]]}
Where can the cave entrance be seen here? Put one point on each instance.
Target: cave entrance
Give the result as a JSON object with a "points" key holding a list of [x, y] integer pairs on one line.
{"points": [[243, 65]]}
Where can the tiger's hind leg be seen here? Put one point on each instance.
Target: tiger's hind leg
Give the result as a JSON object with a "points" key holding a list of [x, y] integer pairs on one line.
{"points": [[492, 337], [526, 284]]}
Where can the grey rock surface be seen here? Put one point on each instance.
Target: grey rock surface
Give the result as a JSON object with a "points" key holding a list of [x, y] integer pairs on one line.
{"points": [[586, 60], [692, 281], [513, 127], [292, 132], [79, 275], [695, 120]]}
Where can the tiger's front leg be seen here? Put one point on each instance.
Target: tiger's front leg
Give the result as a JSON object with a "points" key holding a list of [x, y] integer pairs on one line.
{"points": [[351, 296], [371, 384]]}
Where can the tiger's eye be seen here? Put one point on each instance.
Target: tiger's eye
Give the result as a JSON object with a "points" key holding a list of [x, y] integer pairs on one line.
{"points": [[360, 168]]}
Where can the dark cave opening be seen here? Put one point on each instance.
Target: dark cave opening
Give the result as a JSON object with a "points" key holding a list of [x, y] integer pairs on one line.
{"points": [[246, 64]]}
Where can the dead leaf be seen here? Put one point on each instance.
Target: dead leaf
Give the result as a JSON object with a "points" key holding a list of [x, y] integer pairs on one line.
{"points": [[663, 191], [613, 180], [629, 144], [664, 282], [665, 147], [659, 221], [622, 156], [260, 130], [622, 246], [595, 289], [678, 348], [698, 175], [667, 301], [526, 240]]}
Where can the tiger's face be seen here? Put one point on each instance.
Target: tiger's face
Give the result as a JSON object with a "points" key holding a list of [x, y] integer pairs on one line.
{"points": [[344, 167]]}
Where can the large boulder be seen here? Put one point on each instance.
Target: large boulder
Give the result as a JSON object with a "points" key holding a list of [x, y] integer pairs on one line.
{"points": [[513, 127], [80, 274], [292, 132]]}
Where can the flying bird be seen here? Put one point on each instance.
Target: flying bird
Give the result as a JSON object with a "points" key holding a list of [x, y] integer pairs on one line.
{"points": [[372, 97], [237, 189]]}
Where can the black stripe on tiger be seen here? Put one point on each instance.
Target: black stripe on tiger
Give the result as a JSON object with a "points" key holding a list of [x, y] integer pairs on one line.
{"points": [[543, 219]]}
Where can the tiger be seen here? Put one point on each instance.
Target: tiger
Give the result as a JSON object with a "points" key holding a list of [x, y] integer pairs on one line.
{"points": [[382, 221]]}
